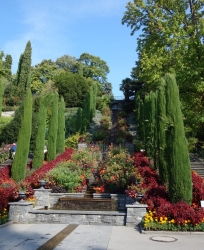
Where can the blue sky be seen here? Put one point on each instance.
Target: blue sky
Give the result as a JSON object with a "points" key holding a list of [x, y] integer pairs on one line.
{"points": [[68, 27]]}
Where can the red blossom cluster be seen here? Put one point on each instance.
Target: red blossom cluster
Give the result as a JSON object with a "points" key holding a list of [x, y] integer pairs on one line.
{"points": [[158, 200], [40, 173], [9, 189]]}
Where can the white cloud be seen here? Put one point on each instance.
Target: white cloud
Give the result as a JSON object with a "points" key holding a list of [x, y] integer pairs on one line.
{"points": [[47, 23]]}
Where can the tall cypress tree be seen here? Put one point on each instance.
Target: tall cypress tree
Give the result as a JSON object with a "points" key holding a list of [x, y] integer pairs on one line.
{"points": [[141, 121], [161, 132], [153, 132], [147, 124], [53, 128], [179, 171], [40, 135], [1, 94], [18, 170], [78, 120], [24, 67], [61, 127], [7, 65]]}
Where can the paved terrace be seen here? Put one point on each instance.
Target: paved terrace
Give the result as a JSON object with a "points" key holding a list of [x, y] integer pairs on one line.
{"points": [[88, 237]]}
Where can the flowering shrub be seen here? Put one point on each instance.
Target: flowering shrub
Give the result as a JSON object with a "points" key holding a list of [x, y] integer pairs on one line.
{"points": [[8, 188], [117, 171], [198, 189], [4, 217], [5, 152], [162, 214], [39, 174]]}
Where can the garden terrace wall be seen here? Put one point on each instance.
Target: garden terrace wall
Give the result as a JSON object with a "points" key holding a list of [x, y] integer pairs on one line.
{"points": [[23, 212]]}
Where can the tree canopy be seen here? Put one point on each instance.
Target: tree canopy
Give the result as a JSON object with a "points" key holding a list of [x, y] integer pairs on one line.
{"points": [[171, 41], [73, 87], [94, 67]]}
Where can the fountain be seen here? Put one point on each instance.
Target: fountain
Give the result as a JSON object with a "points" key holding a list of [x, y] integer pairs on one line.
{"points": [[88, 204]]}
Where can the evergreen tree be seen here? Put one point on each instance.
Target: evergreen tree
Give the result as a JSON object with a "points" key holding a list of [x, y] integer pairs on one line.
{"points": [[61, 127], [179, 171], [1, 94], [147, 124], [78, 120], [141, 121], [53, 128], [7, 65], [153, 130], [18, 171], [24, 68], [41, 130], [161, 132]]}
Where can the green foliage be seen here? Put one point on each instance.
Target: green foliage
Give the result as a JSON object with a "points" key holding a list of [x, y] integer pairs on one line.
{"points": [[73, 87], [68, 63], [72, 141], [10, 132], [63, 176], [94, 67], [24, 68], [18, 171], [61, 127], [179, 171], [161, 133], [171, 41], [78, 119], [7, 65], [40, 133], [43, 73], [117, 170], [53, 128], [1, 94]]}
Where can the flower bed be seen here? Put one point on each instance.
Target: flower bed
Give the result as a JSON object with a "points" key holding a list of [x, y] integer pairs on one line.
{"points": [[162, 214], [9, 189]]}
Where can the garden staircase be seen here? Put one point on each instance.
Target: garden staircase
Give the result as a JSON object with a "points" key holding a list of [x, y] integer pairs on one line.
{"points": [[197, 164]]}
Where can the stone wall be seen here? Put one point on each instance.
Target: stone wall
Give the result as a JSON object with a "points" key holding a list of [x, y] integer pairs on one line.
{"points": [[135, 213], [23, 212]]}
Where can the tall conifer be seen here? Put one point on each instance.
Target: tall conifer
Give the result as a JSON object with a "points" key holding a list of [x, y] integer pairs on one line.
{"points": [[40, 135], [53, 128], [24, 67], [179, 171], [1, 94], [61, 127], [161, 132], [18, 170]]}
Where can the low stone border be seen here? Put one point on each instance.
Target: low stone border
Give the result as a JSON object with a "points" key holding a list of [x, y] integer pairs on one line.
{"points": [[171, 232]]}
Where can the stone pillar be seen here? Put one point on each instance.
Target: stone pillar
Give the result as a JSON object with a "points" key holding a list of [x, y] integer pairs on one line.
{"points": [[19, 211], [121, 199], [135, 213], [42, 196]]}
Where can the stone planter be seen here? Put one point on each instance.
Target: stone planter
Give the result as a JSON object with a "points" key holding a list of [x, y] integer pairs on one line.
{"points": [[121, 198], [101, 195]]}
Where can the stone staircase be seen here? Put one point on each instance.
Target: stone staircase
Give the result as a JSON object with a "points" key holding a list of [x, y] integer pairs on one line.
{"points": [[197, 164]]}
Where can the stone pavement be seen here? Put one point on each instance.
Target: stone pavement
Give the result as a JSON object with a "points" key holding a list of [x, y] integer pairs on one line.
{"points": [[93, 237]]}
